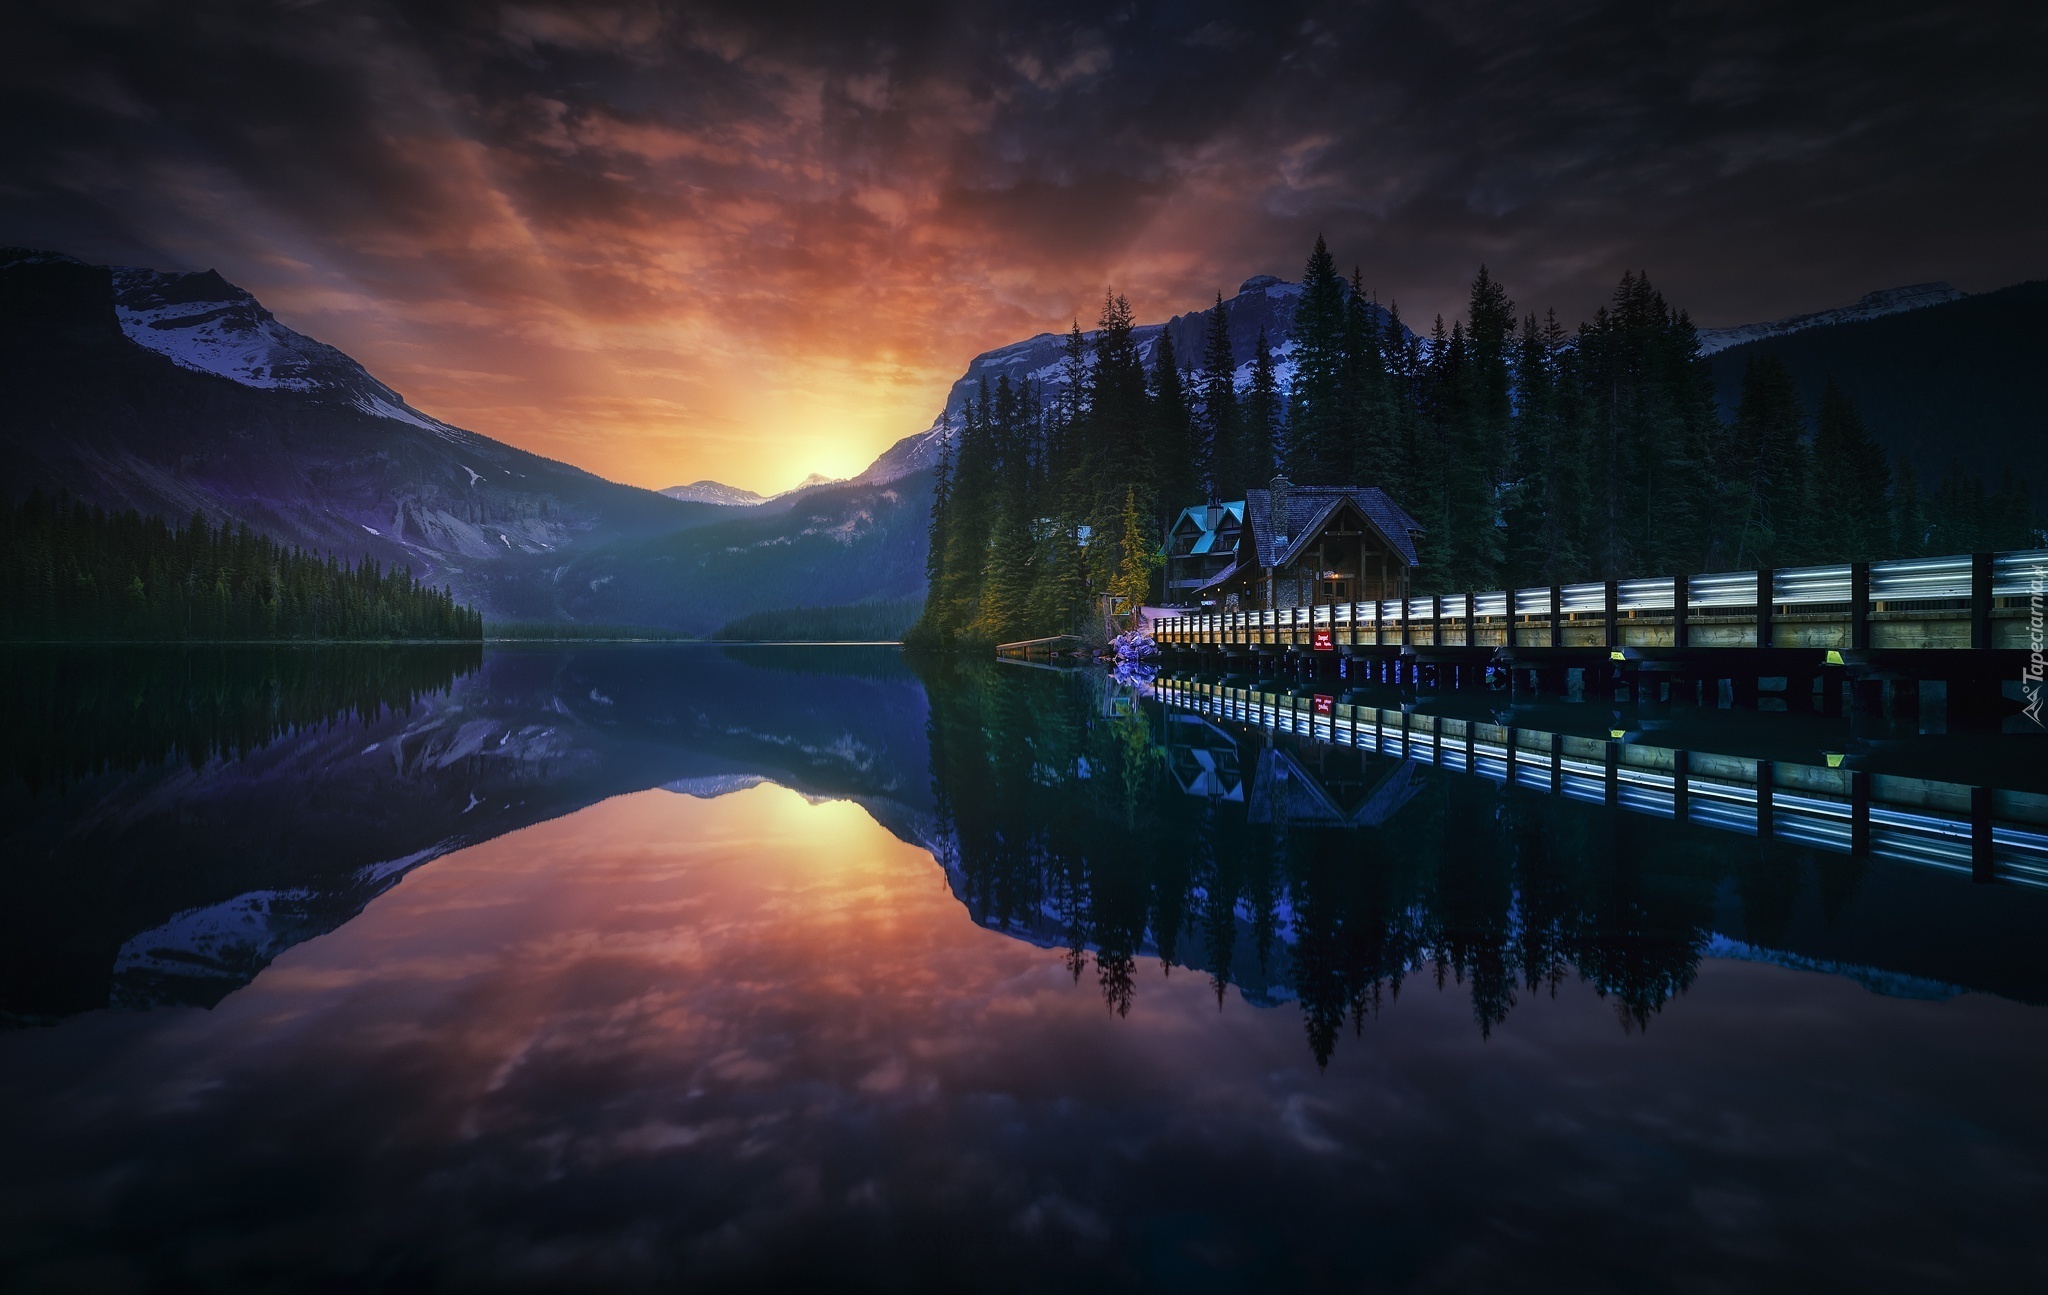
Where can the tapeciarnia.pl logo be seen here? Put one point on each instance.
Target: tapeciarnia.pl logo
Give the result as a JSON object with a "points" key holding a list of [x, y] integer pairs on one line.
{"points": [[2031, 678]]}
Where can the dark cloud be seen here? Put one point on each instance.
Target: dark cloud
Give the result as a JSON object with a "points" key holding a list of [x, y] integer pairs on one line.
{"points": [[573, 224]]}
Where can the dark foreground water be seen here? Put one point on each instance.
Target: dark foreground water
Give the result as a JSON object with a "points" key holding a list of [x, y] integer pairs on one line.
{"points": [[696, 968]]}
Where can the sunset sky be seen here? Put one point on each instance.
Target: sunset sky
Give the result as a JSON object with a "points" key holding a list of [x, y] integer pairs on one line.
{"points": [[754, 241]]}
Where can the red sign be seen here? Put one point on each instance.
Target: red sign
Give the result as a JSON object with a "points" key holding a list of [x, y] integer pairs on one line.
{"points": [[1325, 642], [1325, 704]]}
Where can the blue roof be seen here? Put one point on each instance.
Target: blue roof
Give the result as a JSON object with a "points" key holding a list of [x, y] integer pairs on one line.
{"points": [[1228, 514]]}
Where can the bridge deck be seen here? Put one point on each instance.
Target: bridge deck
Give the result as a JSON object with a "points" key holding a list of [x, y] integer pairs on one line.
{"points": [[1859, 615]]}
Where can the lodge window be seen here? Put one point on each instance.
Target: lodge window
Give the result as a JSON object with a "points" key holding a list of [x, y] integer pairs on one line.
{"points": [[1337, 591]]}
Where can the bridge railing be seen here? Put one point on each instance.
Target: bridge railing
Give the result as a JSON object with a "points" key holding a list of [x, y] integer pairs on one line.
{"points": [[1834, 605]]}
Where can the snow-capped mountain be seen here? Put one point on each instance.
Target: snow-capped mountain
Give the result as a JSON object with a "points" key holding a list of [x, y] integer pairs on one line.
{"points": [[1264, 303], [1885, 301], [200, 321], [172, 393], [715, 492]]}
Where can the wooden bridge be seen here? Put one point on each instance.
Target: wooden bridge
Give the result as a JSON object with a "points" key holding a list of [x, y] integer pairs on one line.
{"points": [[1988, 834], [1967, 619]]}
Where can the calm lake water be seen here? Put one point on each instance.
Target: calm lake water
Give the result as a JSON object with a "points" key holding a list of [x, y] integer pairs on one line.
{"points": [[697, 967]]}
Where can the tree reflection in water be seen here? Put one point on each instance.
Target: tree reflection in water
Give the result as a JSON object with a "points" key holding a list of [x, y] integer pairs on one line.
{"points": [[1083, 814], [78, 712]]}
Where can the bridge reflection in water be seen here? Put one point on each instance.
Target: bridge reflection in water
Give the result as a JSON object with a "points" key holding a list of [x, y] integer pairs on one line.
{"points": [[1989, 833], [1328, 851]]}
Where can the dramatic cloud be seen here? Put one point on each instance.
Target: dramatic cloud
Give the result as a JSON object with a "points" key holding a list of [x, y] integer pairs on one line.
{"points": [[754, 241]]}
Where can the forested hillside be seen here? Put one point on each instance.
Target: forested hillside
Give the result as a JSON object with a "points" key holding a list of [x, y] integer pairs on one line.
{"points": [[1533, 452], [69, 572], [1955, 384]]}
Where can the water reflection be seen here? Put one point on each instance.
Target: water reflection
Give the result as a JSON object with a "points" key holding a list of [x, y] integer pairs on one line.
{"points": [[174, 820], [177, 820], [756, 969], [1333, 853], [76, 713]]}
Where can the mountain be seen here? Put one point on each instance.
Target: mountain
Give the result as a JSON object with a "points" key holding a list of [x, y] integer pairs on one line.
{"points": [[843, 543], [175, 393], [174, 870], [1885, 301], [1958, 381], [715, 492], [1263, 302]]}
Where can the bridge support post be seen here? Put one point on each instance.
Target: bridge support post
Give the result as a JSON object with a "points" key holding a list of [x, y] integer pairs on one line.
{"points": [[1859, 606], [1859, 814], [1980, 600], [1766, 595], [1766, 785], [1983, 852], [1681, 785]]}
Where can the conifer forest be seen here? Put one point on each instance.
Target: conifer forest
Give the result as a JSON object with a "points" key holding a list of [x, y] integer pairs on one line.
{"points": [[1532, 453], [78, 573]]}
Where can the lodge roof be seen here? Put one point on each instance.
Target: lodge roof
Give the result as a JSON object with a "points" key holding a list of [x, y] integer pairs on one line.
{"points": [[1309, 509], [1227, 514]]}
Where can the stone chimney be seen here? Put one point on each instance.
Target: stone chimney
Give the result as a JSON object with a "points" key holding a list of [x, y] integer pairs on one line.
{"points": [[1212, 516], [1280, 488]]}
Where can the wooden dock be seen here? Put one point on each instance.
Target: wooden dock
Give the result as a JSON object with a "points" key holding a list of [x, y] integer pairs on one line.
{"points": [[1026, 649], [1965, 619]]}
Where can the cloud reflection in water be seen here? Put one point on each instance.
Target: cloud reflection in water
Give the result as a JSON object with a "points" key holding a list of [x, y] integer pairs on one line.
{"points": [[666, 1039]]}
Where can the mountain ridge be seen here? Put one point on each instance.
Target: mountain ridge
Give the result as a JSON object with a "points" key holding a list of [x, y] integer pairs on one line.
{"points": [[1872, 305]]}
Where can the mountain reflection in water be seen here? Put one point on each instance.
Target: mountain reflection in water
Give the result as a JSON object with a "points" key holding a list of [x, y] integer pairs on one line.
{"points": [[639, 1015]]}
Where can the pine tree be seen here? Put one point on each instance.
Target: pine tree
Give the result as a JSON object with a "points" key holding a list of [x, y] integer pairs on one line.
{"points": [[1005, 606], [1909, 518], [69, 572], [1850, 485], [1221, 420], [1770, 457], [1263, 417], [1137, 557], [1543, 516], [1649, 432], [1316, 449], [1177, 471], [1368, 424]]}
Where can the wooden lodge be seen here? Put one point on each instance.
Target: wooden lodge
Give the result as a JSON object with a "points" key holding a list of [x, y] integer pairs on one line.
{"points": [[1290, 546]]}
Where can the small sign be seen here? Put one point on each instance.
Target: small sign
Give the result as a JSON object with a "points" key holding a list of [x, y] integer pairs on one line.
{"points": [[1325, 641], [1325, 704]]}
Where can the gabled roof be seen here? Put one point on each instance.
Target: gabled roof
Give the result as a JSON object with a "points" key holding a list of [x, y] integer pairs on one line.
{"points": [[1309, 508], [1231, 513], [1219, 578]]}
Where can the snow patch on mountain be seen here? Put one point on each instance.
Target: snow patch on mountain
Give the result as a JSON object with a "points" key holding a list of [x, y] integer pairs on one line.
{"points": [[200, 321], [1264, 304], [1885, 301], [717, 492]]}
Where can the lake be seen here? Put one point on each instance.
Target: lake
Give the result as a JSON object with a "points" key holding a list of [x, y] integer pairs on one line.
{"points": [[669, 966]]}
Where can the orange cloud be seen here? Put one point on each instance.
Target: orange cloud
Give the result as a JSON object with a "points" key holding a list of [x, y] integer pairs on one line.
{"points": [[671, 241]]}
